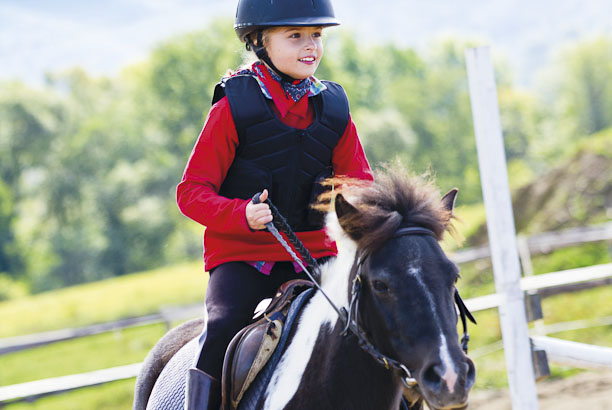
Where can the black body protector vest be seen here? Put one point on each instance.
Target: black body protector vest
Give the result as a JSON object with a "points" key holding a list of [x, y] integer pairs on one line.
{"points": [[287, 161]]}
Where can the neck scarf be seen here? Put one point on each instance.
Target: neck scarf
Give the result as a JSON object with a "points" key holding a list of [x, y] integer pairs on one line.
{"points": [[295, 90], [272, 88]]}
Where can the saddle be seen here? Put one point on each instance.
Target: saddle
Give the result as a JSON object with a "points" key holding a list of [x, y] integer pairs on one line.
{"points": [[252, 347]]}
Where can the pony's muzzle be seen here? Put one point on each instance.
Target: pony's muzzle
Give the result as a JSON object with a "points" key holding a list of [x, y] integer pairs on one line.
{"points": [[445, 387]]}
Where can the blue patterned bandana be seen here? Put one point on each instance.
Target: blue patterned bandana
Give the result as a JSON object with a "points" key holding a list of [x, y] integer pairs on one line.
{"points": [[295, 90], [310, 86]]}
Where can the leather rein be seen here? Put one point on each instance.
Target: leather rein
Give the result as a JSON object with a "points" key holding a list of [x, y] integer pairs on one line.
{"points": [[350, 318]]}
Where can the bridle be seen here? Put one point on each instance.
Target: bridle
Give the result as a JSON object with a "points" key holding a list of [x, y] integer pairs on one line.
{"points": [[351, 317]]}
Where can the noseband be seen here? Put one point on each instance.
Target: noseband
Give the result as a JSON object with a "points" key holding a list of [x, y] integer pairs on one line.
{"points": [[351, 317]]}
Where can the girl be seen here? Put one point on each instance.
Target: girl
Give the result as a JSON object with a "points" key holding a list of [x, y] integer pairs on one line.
{"points": [[273, 128]]}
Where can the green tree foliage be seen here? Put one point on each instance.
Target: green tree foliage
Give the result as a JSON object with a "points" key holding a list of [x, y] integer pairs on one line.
{"points": [[586, 85], [180, 79], [28, 122], [88, 166], [412, 108]]}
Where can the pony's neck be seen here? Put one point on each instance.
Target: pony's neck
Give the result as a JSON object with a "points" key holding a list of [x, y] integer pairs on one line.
{"points": [[320, 364], [347, 377]]}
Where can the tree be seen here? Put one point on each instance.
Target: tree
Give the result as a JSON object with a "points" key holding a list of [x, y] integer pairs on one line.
{"points": [[28, 121], [180, 79], [584, 91]]}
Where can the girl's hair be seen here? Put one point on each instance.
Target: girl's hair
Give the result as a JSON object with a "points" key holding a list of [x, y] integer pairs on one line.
{"points": [[248, 56]]}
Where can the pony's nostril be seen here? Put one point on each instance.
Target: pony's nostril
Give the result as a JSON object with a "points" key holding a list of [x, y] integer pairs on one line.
{"points": [[471, 374], [432, 378]]}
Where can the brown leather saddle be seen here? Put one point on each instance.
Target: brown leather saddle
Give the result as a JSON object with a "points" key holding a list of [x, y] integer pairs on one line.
{"points": [[250, 349]]}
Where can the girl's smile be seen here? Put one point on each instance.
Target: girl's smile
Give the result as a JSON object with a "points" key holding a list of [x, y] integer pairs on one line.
{"points": [[295, 51]]}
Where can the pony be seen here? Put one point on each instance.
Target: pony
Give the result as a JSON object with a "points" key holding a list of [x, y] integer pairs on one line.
{"points": [[397, 289]]}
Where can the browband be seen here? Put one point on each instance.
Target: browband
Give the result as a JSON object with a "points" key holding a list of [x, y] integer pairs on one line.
{"points": [[413, 230]]}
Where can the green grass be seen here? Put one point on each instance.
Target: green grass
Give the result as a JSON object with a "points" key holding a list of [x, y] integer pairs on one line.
{"points": [[127, 296], [80, 355], [111, 396]]}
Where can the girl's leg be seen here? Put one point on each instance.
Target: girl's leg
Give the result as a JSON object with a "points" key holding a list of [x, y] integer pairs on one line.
{"points": [[234, 290]]}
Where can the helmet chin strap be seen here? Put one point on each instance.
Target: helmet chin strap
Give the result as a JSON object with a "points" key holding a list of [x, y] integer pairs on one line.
{"points": [[262, 54]]}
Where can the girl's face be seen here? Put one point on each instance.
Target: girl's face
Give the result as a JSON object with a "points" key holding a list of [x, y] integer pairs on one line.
{"points": [[296, 51]]}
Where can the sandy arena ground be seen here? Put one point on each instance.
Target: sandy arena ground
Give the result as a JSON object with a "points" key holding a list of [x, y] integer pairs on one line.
{"points": [[586, 391]]}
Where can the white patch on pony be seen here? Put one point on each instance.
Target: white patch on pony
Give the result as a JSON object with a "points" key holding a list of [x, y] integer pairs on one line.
{"points": [[417, 273], [450, 375], [318, 314], [335, 279]]}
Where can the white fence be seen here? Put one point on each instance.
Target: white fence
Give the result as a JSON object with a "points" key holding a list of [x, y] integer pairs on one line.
{"points": [[520, 350], [35, 389]]}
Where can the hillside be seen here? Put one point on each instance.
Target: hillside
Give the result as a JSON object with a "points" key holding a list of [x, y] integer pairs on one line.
{"points": [[578, 192]]}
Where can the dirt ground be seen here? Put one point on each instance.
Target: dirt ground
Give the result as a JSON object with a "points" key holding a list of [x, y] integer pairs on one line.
{"points": [[586, 391]]}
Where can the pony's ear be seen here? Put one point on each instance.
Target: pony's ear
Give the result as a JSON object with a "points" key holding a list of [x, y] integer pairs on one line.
{"points": [[349, 218], [448, 200], [343, 207]]}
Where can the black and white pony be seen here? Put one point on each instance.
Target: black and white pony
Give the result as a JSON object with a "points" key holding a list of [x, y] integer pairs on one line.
{"points": [[399, 287]]}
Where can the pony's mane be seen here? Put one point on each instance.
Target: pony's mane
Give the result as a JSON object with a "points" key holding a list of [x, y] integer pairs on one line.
{"points": [[395, 199]]}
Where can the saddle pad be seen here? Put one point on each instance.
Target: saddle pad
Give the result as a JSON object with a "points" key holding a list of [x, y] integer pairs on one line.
{"points": [[169, 390]]}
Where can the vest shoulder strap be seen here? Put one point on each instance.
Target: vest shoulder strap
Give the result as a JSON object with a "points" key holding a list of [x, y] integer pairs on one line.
{"points": [[219, 92], [336, 108], [247, 102]]}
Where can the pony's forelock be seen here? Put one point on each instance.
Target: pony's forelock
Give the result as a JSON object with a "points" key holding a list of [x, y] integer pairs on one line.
{"points": [[396, 198]]}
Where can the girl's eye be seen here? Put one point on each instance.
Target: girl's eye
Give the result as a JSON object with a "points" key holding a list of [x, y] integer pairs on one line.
{"points": [[316, 34], [295, 35]]}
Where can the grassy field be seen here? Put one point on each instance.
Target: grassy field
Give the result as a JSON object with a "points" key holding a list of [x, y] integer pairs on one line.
{"points": [[127, 296], [111, 396], [146, 292], [80, 355]]}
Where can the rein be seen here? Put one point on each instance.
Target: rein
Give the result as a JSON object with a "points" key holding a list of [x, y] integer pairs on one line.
{"points": [[351, 318]]}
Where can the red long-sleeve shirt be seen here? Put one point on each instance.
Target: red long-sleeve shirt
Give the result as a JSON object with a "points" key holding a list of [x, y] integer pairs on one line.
{"points": [[227, 236]]}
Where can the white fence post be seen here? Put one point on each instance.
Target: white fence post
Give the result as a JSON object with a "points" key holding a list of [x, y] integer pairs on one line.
{"points": [[500, 224]]}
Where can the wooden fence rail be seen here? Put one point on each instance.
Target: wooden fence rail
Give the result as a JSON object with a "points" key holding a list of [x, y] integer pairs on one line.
{"points": [[546, 281], [38, 388], [14, 344], [545, 242], [573, 353]]}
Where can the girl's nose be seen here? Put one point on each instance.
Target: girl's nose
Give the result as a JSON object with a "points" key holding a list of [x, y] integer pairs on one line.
{"points": [[310, 44]]}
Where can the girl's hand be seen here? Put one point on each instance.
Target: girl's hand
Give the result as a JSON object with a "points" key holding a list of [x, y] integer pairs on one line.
{"points": [[258, 215]]}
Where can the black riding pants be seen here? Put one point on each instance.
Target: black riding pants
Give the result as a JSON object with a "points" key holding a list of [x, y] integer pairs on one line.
{"points": [[233, 292]]}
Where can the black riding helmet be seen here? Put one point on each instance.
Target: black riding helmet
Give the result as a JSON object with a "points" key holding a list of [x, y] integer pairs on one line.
{"points": [[253, 16]]}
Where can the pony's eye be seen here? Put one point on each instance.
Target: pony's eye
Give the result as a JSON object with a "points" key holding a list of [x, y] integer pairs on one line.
{"points": [[380, 286]]}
